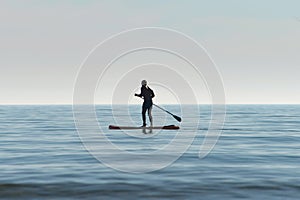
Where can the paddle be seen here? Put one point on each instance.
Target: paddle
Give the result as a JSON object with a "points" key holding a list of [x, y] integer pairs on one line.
{"points": [[176, 117]]}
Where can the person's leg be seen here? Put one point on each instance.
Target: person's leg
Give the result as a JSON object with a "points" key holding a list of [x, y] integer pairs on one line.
{"points": [[150, 115], [144, 109]]}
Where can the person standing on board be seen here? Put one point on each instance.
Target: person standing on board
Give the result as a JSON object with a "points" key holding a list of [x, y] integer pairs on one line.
{"points": [[147, 94]]}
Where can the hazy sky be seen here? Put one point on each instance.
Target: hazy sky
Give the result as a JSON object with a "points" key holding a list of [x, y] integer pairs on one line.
{"points": [[255, 44]]}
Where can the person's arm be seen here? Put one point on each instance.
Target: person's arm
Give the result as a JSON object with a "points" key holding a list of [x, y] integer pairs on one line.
{"points": [[152, 94], [139, 95]]}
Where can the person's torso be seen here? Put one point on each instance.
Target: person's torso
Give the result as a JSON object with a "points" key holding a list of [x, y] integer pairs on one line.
{"points": [[147, 93]]}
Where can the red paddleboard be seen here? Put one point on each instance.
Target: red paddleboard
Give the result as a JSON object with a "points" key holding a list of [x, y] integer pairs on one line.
{"points": [[168, 127]]}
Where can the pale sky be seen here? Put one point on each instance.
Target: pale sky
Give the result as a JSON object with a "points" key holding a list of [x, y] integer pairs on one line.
{"points": [[255, 45]]}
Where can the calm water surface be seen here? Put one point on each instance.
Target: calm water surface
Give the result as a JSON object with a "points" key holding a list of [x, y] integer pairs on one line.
{"points": [[256, 157]]}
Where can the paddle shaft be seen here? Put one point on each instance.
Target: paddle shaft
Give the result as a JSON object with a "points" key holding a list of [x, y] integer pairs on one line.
{"points": [[162, 109], [176, 117]]}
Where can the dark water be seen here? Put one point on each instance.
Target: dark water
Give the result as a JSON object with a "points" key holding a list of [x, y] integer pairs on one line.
{"points": [[256, 157]]}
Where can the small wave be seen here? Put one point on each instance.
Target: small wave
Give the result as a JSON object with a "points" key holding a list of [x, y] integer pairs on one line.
{"points": [[74, 190]]}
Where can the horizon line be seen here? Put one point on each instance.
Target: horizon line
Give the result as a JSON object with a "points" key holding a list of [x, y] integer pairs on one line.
{"points": [[25, 104]]}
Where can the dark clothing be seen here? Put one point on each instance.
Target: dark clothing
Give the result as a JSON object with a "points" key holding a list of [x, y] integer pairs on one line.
{"points": [[147, 95], [146, 108]]}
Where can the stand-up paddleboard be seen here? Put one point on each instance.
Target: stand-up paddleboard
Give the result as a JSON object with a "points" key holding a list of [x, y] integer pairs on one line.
{"points": [[168, 127]]}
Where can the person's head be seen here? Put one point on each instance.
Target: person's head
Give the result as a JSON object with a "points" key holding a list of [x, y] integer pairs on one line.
{"points": [[144, 82]]}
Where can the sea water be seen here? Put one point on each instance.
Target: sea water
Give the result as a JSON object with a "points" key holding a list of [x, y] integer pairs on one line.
{"points": [[256, 157]]}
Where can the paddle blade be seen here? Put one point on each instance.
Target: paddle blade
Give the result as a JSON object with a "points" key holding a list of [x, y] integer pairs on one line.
{"points": [[177, 118]]}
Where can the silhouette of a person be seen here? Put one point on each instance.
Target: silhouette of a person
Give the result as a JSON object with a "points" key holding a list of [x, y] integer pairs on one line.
{"points": [[147, 94]]}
